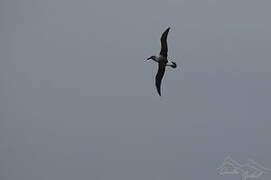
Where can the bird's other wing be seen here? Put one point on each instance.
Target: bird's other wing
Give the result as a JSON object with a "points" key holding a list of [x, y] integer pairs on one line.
{"points": [[163, 40], [159, 77]]}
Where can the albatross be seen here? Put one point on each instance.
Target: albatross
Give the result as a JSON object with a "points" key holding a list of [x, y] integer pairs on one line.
{"points": [[162, 61]]}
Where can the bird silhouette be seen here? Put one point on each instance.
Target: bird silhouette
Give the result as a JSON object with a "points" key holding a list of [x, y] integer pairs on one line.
{"points": [[162, 61]]}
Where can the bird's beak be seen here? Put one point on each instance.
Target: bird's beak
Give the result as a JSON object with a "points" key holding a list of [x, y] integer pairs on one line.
{"points": [[147, 59]]}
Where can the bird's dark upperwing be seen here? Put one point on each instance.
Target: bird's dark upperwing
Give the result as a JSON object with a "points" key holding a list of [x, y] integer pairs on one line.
{"points": [[159, 76], [163, 39]]}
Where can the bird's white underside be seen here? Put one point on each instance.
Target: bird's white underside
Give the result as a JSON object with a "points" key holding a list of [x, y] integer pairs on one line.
{"points": [[161, 58]]}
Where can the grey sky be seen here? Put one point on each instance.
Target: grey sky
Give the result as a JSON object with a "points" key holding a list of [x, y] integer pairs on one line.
{"points": [[78, 102]]}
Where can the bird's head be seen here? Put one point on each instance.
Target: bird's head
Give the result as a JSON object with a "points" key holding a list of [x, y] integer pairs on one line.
{"points": [[152, 57]]}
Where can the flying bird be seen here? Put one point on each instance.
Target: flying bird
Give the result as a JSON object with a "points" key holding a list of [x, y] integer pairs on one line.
{"points": [[162, 61]]}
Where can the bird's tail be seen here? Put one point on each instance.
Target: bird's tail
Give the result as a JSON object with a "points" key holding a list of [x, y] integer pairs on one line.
{"points": [[172, 64]]}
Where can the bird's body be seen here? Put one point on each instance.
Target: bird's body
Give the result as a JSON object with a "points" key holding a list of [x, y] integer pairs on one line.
{"points": [[162, 61]]}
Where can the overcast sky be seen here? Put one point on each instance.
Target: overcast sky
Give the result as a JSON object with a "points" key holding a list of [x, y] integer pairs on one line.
{"points": [[77, 100]]}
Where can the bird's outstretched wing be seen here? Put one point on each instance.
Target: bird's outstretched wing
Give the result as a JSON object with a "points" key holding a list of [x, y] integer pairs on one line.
{"points": [[159, 76], [163, 39]]}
